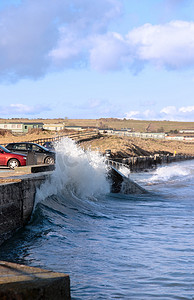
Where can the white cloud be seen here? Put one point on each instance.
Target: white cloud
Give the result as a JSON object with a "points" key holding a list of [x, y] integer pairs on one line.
{"points": [[41, 35], [22, 109], [133, 114], [170, 113], [170, 45], [187, 109], [147, 114], [109, 52], [169, 110], [179, 114]]}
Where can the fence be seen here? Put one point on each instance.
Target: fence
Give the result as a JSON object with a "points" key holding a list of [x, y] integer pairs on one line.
{"points": [[78, 137], [116, 164]]}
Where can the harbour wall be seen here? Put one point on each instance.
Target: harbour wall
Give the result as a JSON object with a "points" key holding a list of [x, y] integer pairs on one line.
{"points": [[140, 163], [17, 197], [122, 184], [19, 282]]}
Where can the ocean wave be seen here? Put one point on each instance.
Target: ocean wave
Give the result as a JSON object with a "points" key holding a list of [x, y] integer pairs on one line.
{"points": [[83, 174]]}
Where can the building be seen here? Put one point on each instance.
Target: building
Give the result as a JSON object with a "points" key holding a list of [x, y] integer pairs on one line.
{"points": [[53, 127], [19, 127], [78, 128], [144, 135], [187, 131]]}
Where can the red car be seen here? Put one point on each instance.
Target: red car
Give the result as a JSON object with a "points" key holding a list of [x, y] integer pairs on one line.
{"points": [[11, 160]]}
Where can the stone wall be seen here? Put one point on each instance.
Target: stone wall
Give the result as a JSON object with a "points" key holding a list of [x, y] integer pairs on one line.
{"points": [[139, 163], [16, 203], [122, 184]]}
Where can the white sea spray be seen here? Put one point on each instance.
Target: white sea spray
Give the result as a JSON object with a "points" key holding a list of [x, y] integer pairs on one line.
{"points": [[83, 173]]}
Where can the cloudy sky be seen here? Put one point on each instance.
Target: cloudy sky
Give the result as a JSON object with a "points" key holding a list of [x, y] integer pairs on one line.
{"points": [[91, 59]]}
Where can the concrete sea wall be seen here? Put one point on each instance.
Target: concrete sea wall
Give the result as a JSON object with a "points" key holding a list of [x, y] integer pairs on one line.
{"points": [[139, 163], [16, 202], [19, 282], [122, 184], [17, 196]]}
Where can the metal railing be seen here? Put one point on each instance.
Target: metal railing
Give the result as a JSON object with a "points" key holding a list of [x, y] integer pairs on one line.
{"points": [[116, 164]]}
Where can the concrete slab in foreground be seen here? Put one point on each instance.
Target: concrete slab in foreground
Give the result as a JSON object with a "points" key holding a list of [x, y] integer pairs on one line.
{"points": [[20, 282]]}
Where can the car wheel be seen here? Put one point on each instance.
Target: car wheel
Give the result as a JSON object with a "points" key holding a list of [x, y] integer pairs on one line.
{"points": [[49, 160], [13, 163]]}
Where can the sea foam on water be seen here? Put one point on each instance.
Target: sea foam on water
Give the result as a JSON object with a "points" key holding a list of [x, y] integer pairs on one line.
{"points": [[166, 173]]}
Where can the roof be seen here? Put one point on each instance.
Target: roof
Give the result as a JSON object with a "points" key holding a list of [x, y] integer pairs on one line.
{"points": [[26, 123]]}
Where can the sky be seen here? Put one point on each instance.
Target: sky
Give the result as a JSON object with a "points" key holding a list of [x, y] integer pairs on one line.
{"points": [[97, 59]]}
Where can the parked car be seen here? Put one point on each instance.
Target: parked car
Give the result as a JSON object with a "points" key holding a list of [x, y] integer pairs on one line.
{"points": [[49, 145], [41, 154], [11, 160]]}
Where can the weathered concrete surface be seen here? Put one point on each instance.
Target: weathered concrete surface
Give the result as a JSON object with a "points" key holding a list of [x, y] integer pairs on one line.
{"points": [[17, 195], [20, 282], [34, 169], [140, 163], [122, 184]]}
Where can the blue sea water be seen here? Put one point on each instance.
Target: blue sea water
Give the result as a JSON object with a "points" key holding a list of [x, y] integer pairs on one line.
{"points": [[113, 246]]}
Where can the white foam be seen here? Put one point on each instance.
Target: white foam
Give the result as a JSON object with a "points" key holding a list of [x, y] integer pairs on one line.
{"points": [[125, 171], [83, 173], [175, 172]]}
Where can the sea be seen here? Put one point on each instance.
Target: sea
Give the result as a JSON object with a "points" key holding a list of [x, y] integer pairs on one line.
{"points": [[113, 246]]}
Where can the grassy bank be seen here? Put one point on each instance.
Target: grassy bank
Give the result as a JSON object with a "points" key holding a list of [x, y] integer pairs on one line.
{"points": [[126, 146], [119, 146]]}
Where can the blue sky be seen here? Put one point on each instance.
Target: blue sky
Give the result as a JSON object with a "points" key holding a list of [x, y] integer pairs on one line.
{"points": [[108, 58]]}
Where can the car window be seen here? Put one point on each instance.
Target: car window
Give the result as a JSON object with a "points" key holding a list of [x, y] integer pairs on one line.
{"points": [[3, 149], [36, 148], [19, 146], [29, 147]]}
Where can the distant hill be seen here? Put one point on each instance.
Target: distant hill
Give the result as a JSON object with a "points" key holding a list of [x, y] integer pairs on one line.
{"points": [[134, 125]]}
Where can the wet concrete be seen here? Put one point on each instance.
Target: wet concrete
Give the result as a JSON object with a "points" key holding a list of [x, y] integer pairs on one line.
{"points": [[20, 282]]}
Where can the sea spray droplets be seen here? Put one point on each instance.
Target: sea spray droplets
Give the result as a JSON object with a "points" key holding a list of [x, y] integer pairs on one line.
{"points": [[125, 171], [84, 173], [169, 173]]}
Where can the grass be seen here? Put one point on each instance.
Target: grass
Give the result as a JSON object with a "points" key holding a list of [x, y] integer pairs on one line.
{"points": [[135, 125]]}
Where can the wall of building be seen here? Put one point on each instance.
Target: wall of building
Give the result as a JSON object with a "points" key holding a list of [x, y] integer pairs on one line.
{"points": [[20, 127], [53, 127]]}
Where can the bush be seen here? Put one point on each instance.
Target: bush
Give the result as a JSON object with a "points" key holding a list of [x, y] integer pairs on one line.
{"points": [[35, 131], [4, 132]]}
